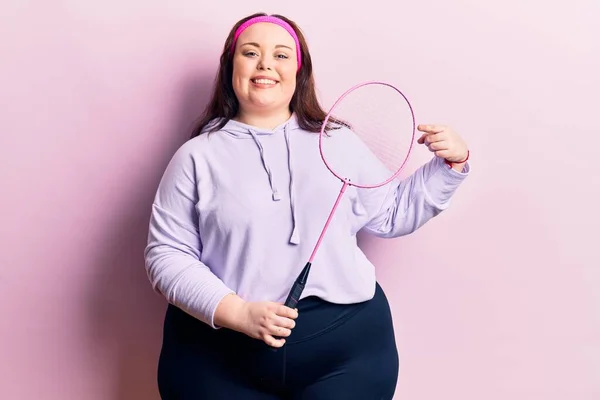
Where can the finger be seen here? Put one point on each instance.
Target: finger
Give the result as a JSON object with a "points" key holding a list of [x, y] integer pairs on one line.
{"points": [[279, 331], [424, 138], [428, 138], [437, 137], [442, 153], [271, 341], [284, 322], [430, 128], [284, 311], [434, 138], [437, 146]]}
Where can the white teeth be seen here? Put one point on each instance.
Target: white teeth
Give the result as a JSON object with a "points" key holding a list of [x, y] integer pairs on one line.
{"points": [[264, 81]]}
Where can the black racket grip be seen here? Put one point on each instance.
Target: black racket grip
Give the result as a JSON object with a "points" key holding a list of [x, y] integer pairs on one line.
{"points": [[294, 295], [292, 300]]}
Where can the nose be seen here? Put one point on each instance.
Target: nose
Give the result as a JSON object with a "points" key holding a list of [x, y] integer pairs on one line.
{"points": [[265, 63]]}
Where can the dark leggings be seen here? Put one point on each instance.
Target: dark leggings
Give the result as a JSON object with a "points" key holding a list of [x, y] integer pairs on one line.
{"points": [[334, 352]]}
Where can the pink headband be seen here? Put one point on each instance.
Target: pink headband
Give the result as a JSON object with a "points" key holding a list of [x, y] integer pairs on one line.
{"points": [[273, 20]]}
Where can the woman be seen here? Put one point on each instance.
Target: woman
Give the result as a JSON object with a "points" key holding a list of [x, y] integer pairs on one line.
{"points": [[237, 213]]}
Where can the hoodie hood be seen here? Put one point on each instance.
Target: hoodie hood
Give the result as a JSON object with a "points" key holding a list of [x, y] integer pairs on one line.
{"points": [[243, 131]]}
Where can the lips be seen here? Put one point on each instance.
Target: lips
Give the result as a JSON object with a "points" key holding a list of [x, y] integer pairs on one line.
{"points": [[263, 80]]}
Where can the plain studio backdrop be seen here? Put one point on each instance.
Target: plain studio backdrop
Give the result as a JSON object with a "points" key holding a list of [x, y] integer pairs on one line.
{"points": [[498, 298]]}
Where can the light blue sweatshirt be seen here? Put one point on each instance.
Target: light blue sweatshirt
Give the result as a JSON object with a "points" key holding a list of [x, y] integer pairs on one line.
{"points": [[240, 210]]}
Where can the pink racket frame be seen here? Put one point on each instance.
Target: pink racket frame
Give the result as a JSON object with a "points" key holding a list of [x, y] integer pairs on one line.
{"points": [[346, 181], [331, 112]]}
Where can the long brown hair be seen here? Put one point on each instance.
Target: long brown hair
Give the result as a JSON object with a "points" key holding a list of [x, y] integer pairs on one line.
{"points": [[224, 104]]}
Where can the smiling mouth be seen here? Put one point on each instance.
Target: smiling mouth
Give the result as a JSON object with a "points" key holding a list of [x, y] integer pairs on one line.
{"points": [[263, 81]]}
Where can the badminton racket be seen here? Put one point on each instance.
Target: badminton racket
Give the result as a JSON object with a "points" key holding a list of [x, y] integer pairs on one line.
{"points": [[375, 118]]}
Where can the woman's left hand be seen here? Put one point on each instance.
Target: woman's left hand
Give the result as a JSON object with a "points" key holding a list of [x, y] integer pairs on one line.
{"points": [[444, 143]]}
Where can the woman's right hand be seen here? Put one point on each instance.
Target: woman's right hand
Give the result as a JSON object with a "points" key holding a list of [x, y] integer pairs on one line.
{"points": [[268, 321], [264, 320]]}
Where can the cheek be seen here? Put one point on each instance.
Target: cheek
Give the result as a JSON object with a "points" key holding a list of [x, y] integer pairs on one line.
{"points": [[289, 77], [290, 86], [241, 71], [291, 89], [238, 82]]}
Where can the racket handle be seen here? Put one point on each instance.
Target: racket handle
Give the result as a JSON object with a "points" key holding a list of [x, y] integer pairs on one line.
{"points": [[296, 291], [298, 287], [292, 299]]}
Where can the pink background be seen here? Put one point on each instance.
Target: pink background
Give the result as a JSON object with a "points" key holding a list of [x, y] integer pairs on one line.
{"points": [[498, 298]]}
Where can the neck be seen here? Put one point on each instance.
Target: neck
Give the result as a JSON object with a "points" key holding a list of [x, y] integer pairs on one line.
{"points": [[268, 120]]}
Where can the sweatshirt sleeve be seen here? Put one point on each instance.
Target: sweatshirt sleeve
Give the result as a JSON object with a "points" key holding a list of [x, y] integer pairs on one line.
{"points": [[173, 252], [403, 206]]}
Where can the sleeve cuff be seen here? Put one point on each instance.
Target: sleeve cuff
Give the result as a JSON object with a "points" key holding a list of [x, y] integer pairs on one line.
{"points": [[443, 182], [212, 307]]}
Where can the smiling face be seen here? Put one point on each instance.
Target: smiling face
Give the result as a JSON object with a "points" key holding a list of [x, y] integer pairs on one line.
{"points": [[264, 69]]}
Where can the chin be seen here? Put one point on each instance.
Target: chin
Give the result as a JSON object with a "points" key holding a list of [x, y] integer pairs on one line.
{"points": [[262, 101], [265, 107]]}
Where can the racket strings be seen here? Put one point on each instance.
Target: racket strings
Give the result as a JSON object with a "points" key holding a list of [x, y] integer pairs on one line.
{"points": [[381, 118]]}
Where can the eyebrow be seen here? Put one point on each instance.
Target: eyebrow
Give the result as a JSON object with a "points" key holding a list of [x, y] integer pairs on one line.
{"points": [[257, 45]]}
